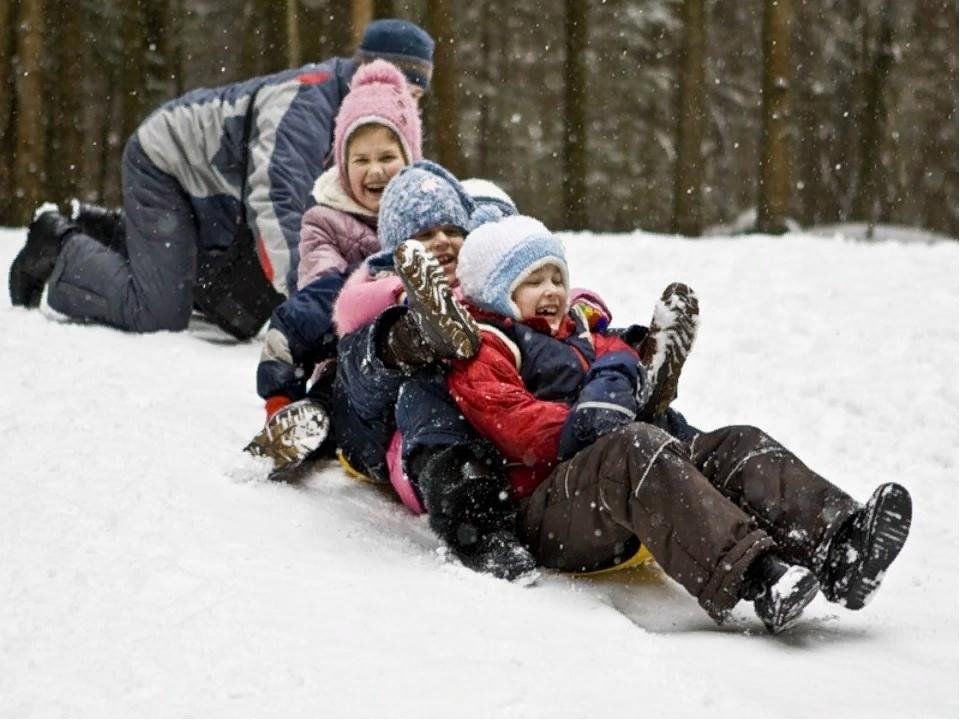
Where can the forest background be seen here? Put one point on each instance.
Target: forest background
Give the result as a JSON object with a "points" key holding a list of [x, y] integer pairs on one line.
{"points": [[666, 115]]}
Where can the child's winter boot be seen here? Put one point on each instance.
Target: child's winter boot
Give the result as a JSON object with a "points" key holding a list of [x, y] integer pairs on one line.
{"points": [[780, 592], [292, 436], [442, 319], [34, 264], [467, 497], [860, 552], [665, 347]]}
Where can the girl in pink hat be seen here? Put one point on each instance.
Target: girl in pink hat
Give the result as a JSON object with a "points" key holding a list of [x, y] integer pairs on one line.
{"points": [[377, 133]]}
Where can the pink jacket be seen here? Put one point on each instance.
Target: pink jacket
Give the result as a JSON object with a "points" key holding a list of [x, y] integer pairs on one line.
{"points": [[335, 233]]}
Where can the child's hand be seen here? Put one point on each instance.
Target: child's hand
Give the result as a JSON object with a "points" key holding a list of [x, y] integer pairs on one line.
{"points": [[598, 318]]}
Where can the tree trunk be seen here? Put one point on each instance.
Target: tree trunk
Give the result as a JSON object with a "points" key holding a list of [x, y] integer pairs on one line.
{"points": [[64, 146], [383, 9], [872, 125], [773, 204], [7, 93], [688, 178], [133, 69], [443, 104], [574, 116], [361, 13], [294, 57], [28, 166], [157, 86]]}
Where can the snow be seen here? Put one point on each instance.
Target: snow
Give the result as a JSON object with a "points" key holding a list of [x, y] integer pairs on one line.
{"points": [[142, 571]]}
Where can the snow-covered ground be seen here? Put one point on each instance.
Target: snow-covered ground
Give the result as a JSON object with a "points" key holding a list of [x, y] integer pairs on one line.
{"points": [[142, 573]]}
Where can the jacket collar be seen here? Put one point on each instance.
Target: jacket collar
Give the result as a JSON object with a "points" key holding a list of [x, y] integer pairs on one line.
{"points": [[328, 191]]}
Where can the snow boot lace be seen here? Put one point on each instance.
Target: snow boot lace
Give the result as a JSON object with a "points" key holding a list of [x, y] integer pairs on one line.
{"points": [[865, 545], [444, 322]]}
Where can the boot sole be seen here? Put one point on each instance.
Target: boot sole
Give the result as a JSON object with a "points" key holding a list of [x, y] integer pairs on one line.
{"points": [[667, 344], [887, 530], [289, 438], [791, 607], [446, 324]]}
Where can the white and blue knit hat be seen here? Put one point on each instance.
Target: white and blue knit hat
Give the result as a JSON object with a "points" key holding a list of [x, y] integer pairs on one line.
{"points": [[492, 201], [498, 256], [419, 197]]}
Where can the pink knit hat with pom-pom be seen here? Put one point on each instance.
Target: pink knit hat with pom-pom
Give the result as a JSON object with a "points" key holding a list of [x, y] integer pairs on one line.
{"points": [[378, 96]]}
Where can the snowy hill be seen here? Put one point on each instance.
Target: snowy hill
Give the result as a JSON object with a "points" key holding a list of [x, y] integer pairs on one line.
{"points": [[143, 573]]}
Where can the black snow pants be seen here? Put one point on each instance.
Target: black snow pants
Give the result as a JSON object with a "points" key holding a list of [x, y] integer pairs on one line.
{"points": [[150, 290], [705, 510]]}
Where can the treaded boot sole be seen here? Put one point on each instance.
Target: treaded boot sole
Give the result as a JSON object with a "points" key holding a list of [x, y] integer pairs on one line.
{"points": [[444, 321], [290, 436], [781, 607], [665, 348], [887, 524]]}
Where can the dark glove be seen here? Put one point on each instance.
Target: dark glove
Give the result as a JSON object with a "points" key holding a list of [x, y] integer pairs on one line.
{"points": [[607, 400]]}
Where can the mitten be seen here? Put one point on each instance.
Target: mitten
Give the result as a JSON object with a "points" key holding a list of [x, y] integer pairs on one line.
{"points": [[607, 400], [592, 307]]}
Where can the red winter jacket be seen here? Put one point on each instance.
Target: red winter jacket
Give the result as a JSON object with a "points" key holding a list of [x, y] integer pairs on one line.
{"points": [[493, 397]]}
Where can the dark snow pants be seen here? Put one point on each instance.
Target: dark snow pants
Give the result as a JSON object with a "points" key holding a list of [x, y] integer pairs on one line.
{"points": [[150, 290], [705, 510]]}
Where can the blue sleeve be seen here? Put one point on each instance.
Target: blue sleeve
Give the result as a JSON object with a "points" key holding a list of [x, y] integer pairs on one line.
{"points": [[607, 400], [300, 335]]}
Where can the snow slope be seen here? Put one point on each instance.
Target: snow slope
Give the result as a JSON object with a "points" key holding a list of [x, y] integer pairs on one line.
{"points": [[142, 571]]}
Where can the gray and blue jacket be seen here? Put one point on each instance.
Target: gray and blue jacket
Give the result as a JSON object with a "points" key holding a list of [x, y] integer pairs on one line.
{"points": [[197, 139]]}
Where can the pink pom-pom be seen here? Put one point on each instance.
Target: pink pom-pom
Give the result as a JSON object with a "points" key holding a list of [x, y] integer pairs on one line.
{"points": [[379, 71]]}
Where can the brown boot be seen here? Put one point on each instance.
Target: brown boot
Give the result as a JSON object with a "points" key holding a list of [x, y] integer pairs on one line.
{"points": [[663, 351]]}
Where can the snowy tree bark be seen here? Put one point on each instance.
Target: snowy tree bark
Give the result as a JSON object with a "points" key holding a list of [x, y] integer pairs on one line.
{"points": [[688, 178], [773, 204]]}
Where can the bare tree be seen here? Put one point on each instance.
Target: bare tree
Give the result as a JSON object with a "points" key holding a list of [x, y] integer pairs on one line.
{"points": [[443, 102], [574, 115], [873, 123], [688, 178], [773, 204], [28, 168], [7, 106], [361, 13], [294, 56]]}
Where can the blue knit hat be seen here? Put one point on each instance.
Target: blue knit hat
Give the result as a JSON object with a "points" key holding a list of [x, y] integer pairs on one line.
{"points": [[404, 44], [498, 256], [419, 197]]}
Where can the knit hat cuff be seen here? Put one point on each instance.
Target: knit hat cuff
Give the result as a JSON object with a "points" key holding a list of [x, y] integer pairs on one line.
{"points": [[418, 72]]}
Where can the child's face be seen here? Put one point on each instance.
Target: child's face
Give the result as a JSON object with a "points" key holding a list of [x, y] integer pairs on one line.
{"points": [[444, 243], [373, 157], [542, 294]]}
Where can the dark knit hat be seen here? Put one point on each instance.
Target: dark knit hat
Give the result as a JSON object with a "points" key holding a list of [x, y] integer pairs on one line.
{"points": [[404, 44]]}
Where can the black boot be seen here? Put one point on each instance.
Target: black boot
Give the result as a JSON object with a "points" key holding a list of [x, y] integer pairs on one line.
{"points": [[467, 496], [100, 223], [779, 591], [865, 545], [403, 345], [34, 264]]}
